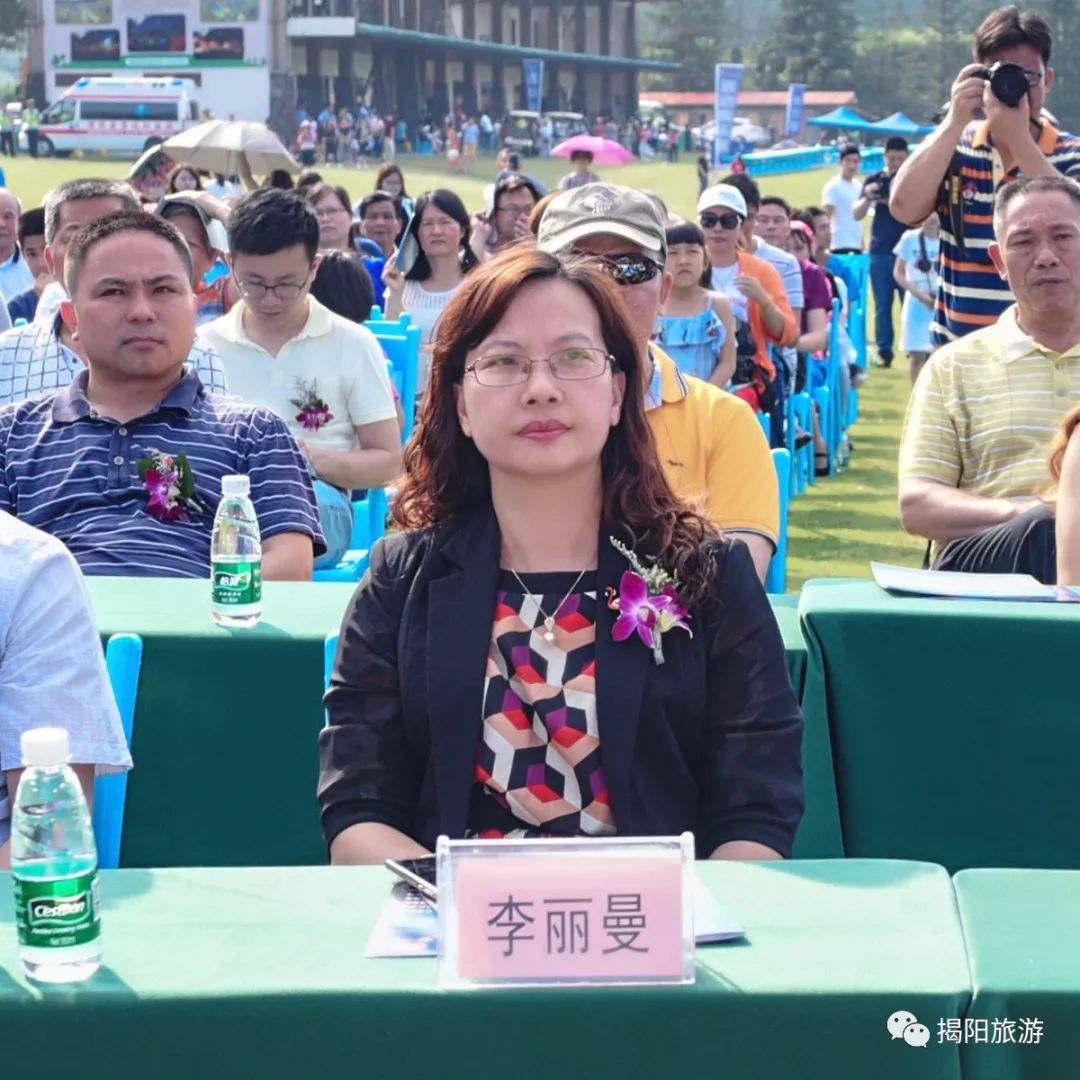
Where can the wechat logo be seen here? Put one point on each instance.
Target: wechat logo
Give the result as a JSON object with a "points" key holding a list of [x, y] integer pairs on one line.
{"points": [[905, 1025]]}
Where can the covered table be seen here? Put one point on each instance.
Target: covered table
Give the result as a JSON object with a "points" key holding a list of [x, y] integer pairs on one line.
{"points": [[226, 757], [953, 725], [226, 722], [261, 973], [1022, 929]]}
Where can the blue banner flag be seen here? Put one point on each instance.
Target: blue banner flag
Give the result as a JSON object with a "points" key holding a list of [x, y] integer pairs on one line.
{"points": [[533, 73], [728, 81], [796, 110]]}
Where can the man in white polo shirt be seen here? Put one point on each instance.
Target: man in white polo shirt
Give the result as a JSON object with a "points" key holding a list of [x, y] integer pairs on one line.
{"points": [[325, 376]]}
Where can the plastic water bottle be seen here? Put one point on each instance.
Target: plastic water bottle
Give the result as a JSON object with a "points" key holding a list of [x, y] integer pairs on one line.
{"points": [[54, 864], [236, 557]]}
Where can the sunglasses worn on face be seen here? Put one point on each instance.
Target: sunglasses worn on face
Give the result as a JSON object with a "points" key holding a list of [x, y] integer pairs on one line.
{"points": [[729, 220], [631, 269]]}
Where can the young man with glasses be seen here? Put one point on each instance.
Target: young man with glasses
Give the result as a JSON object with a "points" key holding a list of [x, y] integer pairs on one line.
{"points": [[709, 442], [325, 376], [981, 144]]}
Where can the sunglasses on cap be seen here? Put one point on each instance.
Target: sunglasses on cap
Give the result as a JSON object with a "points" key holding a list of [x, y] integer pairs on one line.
{"points": [[629, 269], [728, 220]]}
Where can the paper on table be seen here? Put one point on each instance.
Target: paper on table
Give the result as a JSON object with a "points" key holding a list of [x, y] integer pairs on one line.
{"points": [[408, 923], [958, 586]]}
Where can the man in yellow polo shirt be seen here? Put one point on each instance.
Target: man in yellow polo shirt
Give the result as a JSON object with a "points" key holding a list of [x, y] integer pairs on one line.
{"points": [[973, 460], [710, 442]]}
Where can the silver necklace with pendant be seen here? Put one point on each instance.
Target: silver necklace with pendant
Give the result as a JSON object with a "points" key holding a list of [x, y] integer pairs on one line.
{"points": [[549, 620]]}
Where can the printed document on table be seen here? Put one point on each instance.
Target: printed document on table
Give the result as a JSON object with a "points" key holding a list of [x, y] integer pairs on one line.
{"points": [[904, 579]]}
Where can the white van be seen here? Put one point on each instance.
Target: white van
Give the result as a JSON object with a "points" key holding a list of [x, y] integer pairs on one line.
{"points": [[118, 116]]}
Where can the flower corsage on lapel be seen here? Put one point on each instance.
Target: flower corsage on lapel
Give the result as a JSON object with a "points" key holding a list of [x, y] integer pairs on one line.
{"points": [[648, 603], [314, 412], [171, 483]]}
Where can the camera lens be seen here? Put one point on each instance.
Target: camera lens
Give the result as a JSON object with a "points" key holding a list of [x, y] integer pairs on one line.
{"points": [[1009, 83]]}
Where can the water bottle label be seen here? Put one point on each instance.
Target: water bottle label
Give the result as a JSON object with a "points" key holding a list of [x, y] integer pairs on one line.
{"points": [[58, 913], [237, 583]]}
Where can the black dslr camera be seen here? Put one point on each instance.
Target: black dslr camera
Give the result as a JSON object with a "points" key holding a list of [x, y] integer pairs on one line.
{"points": [[1008, 82]]}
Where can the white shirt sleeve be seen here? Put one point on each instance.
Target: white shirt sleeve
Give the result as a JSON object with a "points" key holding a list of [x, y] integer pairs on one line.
{"points": [[52, 667]]}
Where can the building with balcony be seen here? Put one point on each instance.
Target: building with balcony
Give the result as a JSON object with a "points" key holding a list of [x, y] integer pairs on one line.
{"points": [[418, 57]]}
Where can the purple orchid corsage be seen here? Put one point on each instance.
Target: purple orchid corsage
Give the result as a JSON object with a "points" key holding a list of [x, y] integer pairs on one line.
{"points": [[648, 603], [314, 412], [171, 484]]}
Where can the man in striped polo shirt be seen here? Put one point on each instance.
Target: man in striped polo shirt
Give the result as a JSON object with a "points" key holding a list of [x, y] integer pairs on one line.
{"points": [[75, 463], [973, 459], [960, 167]]}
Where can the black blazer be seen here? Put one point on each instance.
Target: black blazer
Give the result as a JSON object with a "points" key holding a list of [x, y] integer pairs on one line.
{"points": [[711, 741]]}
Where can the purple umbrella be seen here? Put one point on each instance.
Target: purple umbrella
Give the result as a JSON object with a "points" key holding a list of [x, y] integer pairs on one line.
{"points": [[604, 151]]}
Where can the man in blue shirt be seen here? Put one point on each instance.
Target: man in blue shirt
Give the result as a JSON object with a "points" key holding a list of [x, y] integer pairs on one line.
{"points": [[74, 463], [32, 247], [885, 233], [15, 275]]}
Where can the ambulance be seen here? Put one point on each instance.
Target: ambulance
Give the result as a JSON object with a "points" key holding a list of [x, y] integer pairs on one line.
{"points": [[116, 116]]}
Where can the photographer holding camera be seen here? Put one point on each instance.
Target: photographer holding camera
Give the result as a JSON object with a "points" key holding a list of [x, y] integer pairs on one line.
{"points": [[960, 167]]}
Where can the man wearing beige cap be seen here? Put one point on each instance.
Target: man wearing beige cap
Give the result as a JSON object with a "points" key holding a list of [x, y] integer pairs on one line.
{"points": [[710, 442]]}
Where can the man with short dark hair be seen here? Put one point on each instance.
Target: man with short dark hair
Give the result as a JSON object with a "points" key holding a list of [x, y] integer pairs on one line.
{"points": [[78, 463], [324, 375], [885, 233], [47, 354], [962, 164], [32, 247], [838, 197], [379, 225], [973, 459]]}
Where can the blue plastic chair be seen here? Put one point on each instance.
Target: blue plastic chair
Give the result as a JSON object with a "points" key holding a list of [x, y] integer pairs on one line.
{"points": [[329, 656], [369, 523], [123, 658], [800, 417], [776, 578], [400, 342], [765, 420]]}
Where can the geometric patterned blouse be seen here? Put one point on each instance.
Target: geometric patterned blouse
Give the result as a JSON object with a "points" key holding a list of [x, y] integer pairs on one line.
{"points": [[538, 766]]}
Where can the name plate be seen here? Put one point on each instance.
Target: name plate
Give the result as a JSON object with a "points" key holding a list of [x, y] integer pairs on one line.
{"points": [[566, 912]]}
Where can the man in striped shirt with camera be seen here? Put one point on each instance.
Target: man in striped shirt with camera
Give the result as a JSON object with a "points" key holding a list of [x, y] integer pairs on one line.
{"points": [[959, 168]]}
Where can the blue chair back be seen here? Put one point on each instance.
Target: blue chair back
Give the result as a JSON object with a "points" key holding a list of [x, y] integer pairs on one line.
{"points": [[329, 656], [401, 344], [123, 658], [776, 578]]}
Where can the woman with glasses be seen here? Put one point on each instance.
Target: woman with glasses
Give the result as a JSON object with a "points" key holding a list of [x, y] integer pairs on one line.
{"points": [[697, 328], [485, 684], [430, 264], [758, 299], [513, 199], [333, 209]]}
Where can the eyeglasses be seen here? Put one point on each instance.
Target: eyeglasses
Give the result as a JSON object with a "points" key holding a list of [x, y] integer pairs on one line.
{"points": [[255, 290], [728, 221], [1033, 77], [629, 269], [515, 211], [570, 365]]}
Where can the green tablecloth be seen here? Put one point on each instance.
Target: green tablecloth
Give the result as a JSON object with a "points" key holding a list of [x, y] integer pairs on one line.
{"points": [[226, 722], [953, 724], [786, 610], [225, 749], [1022, 929], [261, 973]]}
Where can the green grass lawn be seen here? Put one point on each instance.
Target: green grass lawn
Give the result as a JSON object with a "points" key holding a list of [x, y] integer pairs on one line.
{"points": [[841, 523]]}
